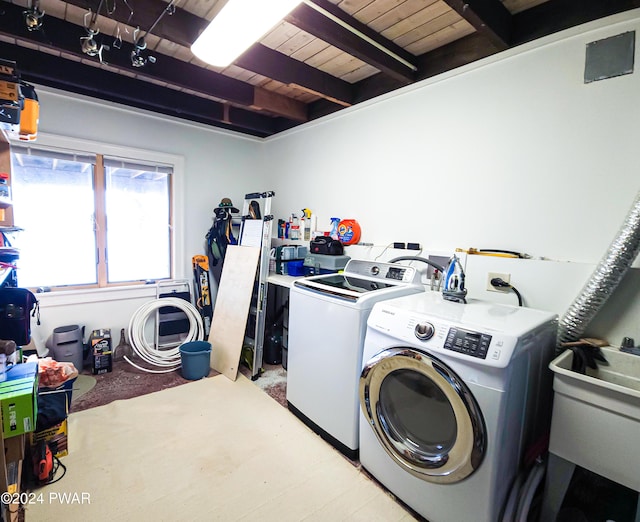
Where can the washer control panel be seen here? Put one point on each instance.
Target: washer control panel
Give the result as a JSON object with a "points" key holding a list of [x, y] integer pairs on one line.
{"points": [[467, 341], [396, 273]]}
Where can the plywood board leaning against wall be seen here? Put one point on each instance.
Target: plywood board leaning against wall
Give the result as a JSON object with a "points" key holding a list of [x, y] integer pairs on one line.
{"points": [[232, 308]]}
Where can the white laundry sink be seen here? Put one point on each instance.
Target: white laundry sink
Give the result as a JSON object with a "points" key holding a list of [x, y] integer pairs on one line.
{"points": [[596, 417]]}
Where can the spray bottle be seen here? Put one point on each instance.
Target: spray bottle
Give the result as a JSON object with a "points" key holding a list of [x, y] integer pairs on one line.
{"points": [[309, 223], [334, 227], [294, 232]]}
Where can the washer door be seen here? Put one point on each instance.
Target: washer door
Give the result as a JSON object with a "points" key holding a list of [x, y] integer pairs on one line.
{"points": [[422, 413]]}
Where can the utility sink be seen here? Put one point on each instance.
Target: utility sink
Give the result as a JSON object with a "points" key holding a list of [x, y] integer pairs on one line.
{"points": [[623, 370], [596, 417]]}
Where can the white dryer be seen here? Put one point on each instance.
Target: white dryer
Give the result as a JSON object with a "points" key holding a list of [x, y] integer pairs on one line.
{"points": [[452, 396], [327, 323]]}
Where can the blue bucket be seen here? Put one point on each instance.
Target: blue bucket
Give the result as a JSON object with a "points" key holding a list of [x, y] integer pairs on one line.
{"points": [[195, 357]]}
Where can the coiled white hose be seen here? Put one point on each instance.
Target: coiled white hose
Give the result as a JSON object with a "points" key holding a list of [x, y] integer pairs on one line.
{"points": [[168, 360]]}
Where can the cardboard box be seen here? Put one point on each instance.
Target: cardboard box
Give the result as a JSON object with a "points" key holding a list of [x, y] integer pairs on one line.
{"points": [[19, 409], [100, 346], [9, 91], [14, 449], [9, 70], [19, 399], [57, 437]]}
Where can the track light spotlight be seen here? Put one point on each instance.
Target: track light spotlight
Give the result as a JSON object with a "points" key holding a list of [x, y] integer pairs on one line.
{"points": [[140, 44], [33, 17], [88, 44], [137, 58]]}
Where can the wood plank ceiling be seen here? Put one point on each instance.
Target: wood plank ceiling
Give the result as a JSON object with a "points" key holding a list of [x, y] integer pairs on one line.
{"points": [[324, 56]]}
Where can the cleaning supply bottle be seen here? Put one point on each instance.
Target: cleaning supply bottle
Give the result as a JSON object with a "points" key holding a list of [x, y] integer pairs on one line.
{"points": [[294, 233], [306, 224], [334, 227], [348, 231]]}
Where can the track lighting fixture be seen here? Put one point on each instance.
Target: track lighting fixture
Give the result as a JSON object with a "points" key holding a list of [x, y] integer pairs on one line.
{"points": [[33, 17], [137, 58], [89, 45], [139, 45]]}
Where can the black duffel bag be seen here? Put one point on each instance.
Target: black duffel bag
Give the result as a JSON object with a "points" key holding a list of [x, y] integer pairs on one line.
{"points": [[17, 306], [326, 245]]}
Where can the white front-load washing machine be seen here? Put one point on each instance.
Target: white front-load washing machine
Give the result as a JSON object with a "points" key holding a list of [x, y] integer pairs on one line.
{"points": [[452, 396], [327, 322]]}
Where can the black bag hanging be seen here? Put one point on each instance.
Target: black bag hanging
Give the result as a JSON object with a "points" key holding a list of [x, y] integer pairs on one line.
{"points": [[16, 306]]}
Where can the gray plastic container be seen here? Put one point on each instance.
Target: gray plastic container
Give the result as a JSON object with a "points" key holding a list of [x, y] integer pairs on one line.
{"points": [[67, 345]]}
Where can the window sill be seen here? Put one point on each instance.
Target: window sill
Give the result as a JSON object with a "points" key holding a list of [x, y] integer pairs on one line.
{"points": [[96, 295]]}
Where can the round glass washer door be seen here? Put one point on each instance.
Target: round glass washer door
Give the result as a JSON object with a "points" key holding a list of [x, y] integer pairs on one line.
{"points": [[423, 414]]}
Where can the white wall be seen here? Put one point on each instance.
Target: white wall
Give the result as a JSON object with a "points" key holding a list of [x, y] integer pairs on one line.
{"points": [[213, 164], [513, 152], [216, 163]]}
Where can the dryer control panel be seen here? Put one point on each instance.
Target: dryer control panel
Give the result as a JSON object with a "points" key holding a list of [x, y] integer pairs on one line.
{"points": [[469, 342]]}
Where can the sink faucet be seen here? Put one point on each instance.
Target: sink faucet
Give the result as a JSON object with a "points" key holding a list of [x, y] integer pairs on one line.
{"points": [[628, 346]]}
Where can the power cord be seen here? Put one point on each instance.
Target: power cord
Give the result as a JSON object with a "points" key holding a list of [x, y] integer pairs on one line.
{"points": [[501, 283], [57, 465]]}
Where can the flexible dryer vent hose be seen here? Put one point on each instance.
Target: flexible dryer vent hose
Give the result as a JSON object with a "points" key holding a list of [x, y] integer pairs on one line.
{"points": [[605, 278]]}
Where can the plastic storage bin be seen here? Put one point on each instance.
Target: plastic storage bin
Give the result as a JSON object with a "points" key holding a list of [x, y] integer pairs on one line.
{"points": [[296, 268]]}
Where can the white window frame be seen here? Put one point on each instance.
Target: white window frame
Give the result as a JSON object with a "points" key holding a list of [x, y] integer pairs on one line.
{"points": [[79, 145]]}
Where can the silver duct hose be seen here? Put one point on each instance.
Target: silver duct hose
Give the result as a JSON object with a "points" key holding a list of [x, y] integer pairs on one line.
{"points": [[605, 278]]}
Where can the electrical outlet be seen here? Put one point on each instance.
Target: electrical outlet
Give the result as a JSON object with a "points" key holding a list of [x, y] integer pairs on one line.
{"points": [[492, 275]]}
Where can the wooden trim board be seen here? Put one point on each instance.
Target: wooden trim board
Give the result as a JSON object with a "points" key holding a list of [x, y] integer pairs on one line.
{"points": [[232, 308]]}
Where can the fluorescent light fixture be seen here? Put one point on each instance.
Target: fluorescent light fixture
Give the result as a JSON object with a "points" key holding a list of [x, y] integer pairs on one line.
{"points": [[238, 25]]}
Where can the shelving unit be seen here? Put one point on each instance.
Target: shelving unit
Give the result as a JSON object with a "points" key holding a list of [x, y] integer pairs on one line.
{"points": [[8, 276], [11, 449]]}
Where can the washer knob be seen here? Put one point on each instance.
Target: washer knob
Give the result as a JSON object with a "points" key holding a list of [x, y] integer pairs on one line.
{"points": [[424, 331], [375, 270]]}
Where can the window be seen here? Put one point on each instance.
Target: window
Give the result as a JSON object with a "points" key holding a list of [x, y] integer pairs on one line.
{"points": [[90, 220]]}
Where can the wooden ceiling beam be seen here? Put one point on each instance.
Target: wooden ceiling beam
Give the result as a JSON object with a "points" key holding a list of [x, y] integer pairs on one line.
{"points": [[272, 64], [267, 100], [490, 18], [456, 54], [181, 27], [373, 35], [54, 71], [373, 86], [544, 19], [184, 28], [312, 21], [557, 15], [64, 36]]}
